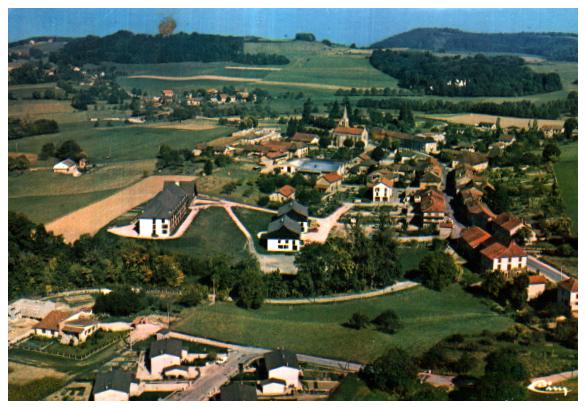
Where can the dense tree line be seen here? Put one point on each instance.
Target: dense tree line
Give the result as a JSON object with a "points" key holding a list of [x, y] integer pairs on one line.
{"points": [[553, 46], [40, 263], [129, 48], [520, 109], [464, 76], [19, 128]]}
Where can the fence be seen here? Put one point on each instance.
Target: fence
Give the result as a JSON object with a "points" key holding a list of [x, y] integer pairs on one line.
{"points": [[70, 356]]}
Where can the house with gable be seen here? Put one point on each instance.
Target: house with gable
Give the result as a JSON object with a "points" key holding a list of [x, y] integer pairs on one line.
{"points": [[283, 365], [284, 235], [114, 385], [296, 212], [283, 194], [382, 191], [510, 259], [329, 182]]}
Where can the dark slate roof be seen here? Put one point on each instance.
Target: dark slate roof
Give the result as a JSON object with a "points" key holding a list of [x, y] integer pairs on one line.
{"points": [[237, 391], [165, 346], [116, 379], [279, 358], [293, 208], [166, 201], [283, 226]]}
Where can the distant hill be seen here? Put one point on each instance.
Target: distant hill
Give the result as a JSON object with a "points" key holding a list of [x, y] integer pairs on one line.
{"points": [[552, 46]]}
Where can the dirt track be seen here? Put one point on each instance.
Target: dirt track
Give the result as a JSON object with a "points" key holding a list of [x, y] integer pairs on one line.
{"points": [[240, 79], [90, 219]]}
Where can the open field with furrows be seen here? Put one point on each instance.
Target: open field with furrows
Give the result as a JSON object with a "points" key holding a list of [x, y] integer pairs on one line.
{"points": [[428, 316], [90, 219], [212, 233], [44, 196], [566, 170], [506, 121]]}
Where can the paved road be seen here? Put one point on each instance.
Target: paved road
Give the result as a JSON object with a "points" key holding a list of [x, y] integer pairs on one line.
{"points": [[551, 273], [402, 285]]}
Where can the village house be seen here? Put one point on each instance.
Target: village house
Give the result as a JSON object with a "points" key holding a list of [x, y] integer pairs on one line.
{"points": [[283, 194], [382, 191], [165, 354], [438, 137], [549, 131], [283, 365], [505, 226], [415, 143], [432, 206], [25, 308], [478, 213], [308, 138], [167, 94], [164, 213], [297, 212], [472, 240], [536, 287], [329, 182], [430, 179], [67, 167], [567, 295], [284, 235], [71, 327], [475, 160], [253, 136], [508, 259], [114, 385], [238, 391], [273, 387]]}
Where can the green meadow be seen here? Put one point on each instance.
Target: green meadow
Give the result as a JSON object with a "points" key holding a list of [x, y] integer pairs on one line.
{"points": [[566, 170]]}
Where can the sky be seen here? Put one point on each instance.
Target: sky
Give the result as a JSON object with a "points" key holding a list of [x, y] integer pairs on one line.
{"points": [[360, 26]]}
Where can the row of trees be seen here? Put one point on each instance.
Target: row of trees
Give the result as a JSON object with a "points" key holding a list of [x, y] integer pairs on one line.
{"points": [[520, 109], [20, 128], [464, 76]]}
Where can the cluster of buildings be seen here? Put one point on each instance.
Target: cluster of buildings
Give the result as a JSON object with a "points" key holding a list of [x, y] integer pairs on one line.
{"points": [[164, 213], [212, 96]]}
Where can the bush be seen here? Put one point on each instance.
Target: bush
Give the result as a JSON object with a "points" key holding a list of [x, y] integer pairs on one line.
{"points": [[388, 322], [357, 321]]}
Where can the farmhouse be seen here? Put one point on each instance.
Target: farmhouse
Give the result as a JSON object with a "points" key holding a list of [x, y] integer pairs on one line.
{"points": [[308, 138], [296, 212], [238, 391], [329, 183], [70, 326], [382, 191], [164, 213], [115, 385], [536, 287], [164, 354], [283, 194], [25, 308], [567, 294], [508, 259], [67, 167], [283, 365], [284, 234]]}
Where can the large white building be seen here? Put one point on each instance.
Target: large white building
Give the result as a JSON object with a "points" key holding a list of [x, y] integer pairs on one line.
{"points": [[382, 191], [284, 235], [508, 259], [164, 213], [164, 354]]}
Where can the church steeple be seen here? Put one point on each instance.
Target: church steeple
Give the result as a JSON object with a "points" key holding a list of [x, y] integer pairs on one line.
{"points": [[344, 122]]}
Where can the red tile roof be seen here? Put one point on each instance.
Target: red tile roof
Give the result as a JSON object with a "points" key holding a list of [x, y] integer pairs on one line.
{"points": [[570, 285], [332, 177], [386, 182], [433, 202], [507, 221], [286, 190], [534, 280], [478, 207], [497, 251], [350, 131], [53, 319], [474, 236]]}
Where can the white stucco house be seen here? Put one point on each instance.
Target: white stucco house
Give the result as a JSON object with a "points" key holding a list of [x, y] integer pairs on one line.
{"points": [[282, 365], [382, 191]]}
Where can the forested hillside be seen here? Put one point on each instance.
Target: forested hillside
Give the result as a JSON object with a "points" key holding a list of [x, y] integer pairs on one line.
{"points": [[129, 48], [553, 46], [501, 76]]}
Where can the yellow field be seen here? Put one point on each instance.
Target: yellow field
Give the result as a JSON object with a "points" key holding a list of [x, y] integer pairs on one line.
{"points": [[506, 121], [22, 374]]}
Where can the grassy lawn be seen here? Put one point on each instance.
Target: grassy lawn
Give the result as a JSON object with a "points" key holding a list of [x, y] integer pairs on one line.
{"points": [[120, 143], [566, 170], [35, 390], [212, 233], [246, 190], [94, 343], [427, 316], [255, 222]]}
